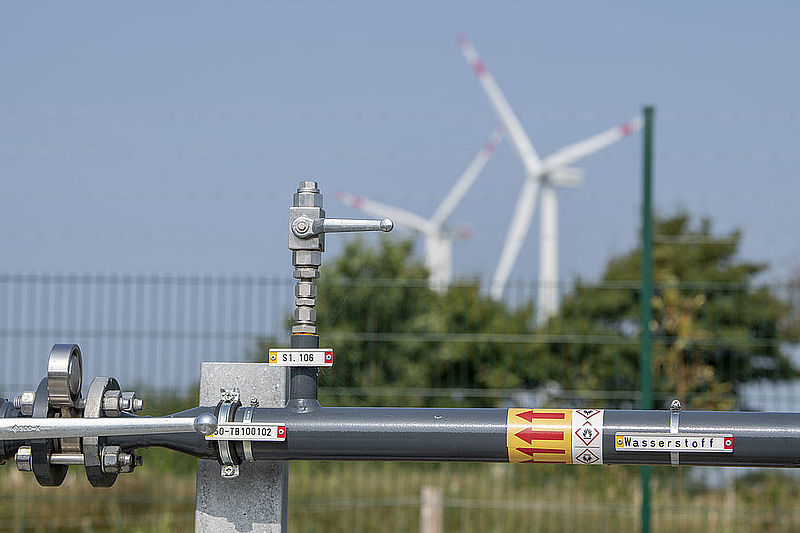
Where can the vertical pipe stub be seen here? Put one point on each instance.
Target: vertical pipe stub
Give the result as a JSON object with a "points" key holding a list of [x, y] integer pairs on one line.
{"points": [[306, 259]]}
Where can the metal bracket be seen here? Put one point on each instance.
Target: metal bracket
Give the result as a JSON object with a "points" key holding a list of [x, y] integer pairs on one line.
{"points": [[674, 421], [247, 445], [229, 402]]}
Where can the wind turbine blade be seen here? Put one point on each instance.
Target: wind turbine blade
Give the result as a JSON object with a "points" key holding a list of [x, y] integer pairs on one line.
{"points": [[547, 292], [517, 231], [399, 216], [466, 179], [502, 109], [572, 153]]}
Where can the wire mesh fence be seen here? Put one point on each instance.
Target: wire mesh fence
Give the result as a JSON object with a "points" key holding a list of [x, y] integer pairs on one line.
{"points": [[397, 343]]}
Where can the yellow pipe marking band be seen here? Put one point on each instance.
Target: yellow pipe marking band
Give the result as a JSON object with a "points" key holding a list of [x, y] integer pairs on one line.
{"points": [[555, 436], [539, 435]]}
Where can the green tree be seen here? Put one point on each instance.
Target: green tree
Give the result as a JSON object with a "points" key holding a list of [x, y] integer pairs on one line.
{"points": [[390, 330], [714, 327]]}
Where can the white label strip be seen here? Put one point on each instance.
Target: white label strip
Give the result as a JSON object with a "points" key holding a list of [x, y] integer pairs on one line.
{"points": [[242, 431], [587, 436], [673, 442], [300, 356]]}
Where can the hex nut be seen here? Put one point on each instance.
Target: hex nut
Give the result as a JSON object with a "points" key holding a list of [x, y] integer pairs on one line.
{"points": [[304, 329], [307, 199], [302, 258], [112, 403], [305, 289], [130, 403], [110, 459], [26, 400], [23, 459], [306, 273], [307, 302], [305, 314], [128, 461]]}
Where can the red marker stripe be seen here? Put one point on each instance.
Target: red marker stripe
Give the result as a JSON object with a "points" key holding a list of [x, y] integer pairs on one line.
{"points": [[531, 451], [548, 416], [531, 415], [548, 435]]}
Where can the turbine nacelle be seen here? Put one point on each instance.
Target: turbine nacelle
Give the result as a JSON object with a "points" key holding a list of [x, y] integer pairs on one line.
{"points": [[569, 177]]}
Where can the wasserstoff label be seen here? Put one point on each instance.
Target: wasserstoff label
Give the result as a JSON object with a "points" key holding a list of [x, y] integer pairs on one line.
{"points": [[672, 442]]}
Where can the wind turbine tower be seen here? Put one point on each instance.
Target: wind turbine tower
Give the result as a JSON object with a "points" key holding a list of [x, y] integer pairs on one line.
{"points": [[438, 237], [547, 174]]}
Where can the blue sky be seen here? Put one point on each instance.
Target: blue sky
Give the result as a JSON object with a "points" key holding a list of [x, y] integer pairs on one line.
{"points": [[168, 137]]}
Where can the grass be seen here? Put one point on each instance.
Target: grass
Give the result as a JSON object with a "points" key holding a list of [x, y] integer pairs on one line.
{"points": [[367, 496]]}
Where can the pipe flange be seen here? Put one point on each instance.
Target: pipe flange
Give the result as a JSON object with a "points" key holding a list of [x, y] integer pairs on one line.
{"points": [[93, 446], [64, 375], [47, 474]]}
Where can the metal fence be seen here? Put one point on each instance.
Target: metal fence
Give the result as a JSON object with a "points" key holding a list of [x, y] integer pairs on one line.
{"points": [[152, 332]]}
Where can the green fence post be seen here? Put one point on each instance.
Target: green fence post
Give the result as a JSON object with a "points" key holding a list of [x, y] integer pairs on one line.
{"points": [[645, 297]]}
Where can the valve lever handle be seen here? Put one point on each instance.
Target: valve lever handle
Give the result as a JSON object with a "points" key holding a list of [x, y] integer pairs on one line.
{"points": [[60, 428], [305, 227], [341, 225]]}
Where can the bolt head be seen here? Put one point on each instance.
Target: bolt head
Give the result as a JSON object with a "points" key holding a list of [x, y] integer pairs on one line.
{"points": [[230, 471], [254, 401]]}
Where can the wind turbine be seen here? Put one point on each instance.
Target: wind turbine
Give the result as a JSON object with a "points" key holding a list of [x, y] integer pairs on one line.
{"points": [[438, 238], [549, 173]]}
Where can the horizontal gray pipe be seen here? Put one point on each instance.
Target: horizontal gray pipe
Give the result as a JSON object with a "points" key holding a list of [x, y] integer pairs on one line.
{"points": [[479, 435]]}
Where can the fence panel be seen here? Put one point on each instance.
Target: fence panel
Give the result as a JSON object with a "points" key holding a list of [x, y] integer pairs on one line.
{"points": [[152, 332]]}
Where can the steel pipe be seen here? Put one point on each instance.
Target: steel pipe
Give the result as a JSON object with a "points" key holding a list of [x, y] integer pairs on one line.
{"points": [[501, 435]]}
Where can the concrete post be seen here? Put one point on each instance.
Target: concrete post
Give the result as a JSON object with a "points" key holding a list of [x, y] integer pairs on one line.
{"points": [[256, 500], [431, 512]]}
